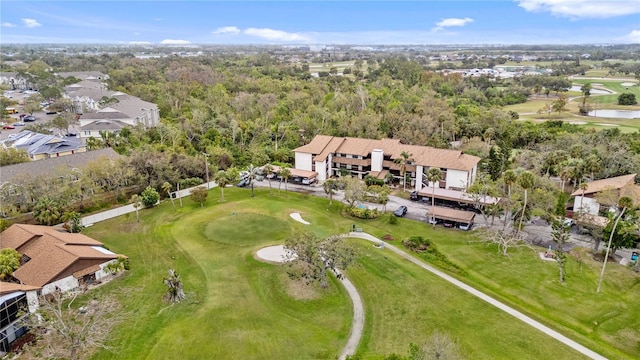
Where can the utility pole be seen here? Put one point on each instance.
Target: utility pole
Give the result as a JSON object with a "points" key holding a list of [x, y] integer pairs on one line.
{"points": [[206, 167]]}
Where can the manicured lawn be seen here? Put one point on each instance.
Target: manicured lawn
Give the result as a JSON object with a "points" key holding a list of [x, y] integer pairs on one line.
{"points": [[239, 308]]}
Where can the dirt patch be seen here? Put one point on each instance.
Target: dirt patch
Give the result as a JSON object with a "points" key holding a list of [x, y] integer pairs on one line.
{"points": [[298, 289]]}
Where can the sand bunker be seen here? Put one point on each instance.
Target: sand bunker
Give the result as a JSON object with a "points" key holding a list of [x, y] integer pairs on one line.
{"points": [[577, 122], [297, 217], [628, 84], [275, 253]]}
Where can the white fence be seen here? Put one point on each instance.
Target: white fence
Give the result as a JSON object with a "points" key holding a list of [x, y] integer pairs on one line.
{"points": [[127, 209]]}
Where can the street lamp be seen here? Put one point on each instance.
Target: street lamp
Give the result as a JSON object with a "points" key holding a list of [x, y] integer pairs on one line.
{"points": [[206, 167]]}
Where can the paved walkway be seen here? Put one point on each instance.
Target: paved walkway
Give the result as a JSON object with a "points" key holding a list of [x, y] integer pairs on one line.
{"points": [[509, 310]]}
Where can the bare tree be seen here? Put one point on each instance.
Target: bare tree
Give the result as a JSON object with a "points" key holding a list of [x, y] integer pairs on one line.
{"points": [[312, 256], [65, 331], [505, 239], [438, 347]]}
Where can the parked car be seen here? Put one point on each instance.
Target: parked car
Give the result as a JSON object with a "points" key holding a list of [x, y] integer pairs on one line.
{"points": [[19, 124], [413, 196], [243, 183], [401, 211], [8, 127], [29, 118], [433, 221], [51, 112], [447, 224], [465, 226]]}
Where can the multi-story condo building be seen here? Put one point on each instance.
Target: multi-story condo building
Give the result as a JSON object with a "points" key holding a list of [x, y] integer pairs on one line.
{"points": [[335, 156]]}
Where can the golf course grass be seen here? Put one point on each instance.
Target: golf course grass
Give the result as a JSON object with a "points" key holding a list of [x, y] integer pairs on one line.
{"points": [[240, 308]]}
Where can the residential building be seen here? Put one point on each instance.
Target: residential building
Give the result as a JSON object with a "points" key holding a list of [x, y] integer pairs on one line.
{"points": [[53, 259], [335, 156], [14, 299], [41, 146], [588, 202]]}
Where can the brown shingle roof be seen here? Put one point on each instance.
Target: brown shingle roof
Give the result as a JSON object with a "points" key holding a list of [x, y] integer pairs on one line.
{"points": [[46, 166], [53, 254], [445, 213], [316, 146], [613, 183], [7, 287], [322, 145]]}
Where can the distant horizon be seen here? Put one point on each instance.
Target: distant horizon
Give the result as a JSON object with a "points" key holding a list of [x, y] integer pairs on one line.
{"points": [[374, 23]]}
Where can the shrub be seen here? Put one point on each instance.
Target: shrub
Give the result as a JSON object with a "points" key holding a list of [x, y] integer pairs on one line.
{"points": [[393, 220], [149, 197], [627, 99], [417, 243], [363, 213]]}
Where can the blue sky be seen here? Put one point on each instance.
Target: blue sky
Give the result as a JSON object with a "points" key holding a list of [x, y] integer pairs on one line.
{"points": [[326, 22]]}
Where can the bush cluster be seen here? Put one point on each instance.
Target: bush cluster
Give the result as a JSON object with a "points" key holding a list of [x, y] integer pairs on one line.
{"points": [[430, 252], [363, 213]]}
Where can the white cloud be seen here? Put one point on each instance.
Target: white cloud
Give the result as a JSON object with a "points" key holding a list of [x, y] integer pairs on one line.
{"points": [[633, 37], [140, 43], [275, 35], [8, 24], [582, 8], [30, 23], [174, 42], [451, 22], [226, 30]]}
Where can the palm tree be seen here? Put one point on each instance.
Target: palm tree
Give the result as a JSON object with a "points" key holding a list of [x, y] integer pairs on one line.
{"points": [[434, 175], [166, 187], [268, 171], [137, 203], [509, 177], [328, 186], [285, 174], [526, 181], [251, 176], [624, 203], [403, 161], [47, 211], [223, 179]]}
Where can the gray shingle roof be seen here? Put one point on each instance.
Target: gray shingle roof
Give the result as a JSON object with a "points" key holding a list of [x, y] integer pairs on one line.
{"points": [[46, 166]]}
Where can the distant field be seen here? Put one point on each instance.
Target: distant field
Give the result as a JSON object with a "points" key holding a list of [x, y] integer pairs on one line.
{"points": [[340, 66]]}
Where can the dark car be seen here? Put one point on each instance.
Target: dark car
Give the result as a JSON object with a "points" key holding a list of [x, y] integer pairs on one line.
{"points": [[413, 196], [401, 211], [29, 118]]}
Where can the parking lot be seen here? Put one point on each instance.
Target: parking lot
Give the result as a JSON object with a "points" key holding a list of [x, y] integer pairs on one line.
{"points": [[41, 117]]}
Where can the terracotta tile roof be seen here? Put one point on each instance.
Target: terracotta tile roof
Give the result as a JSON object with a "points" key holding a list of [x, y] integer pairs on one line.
{"points": [[322, 145], [53, 254], [613, 183]]}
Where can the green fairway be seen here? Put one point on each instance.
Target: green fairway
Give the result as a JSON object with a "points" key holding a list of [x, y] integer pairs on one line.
{"points": [[240, 308]]}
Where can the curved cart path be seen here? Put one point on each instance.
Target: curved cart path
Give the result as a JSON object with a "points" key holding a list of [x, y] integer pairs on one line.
{"points": [[277, 254], [509, 310]]}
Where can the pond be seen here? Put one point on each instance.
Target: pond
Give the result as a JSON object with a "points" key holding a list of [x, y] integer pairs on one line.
{"points": [[619, 114], [592, 92]]}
